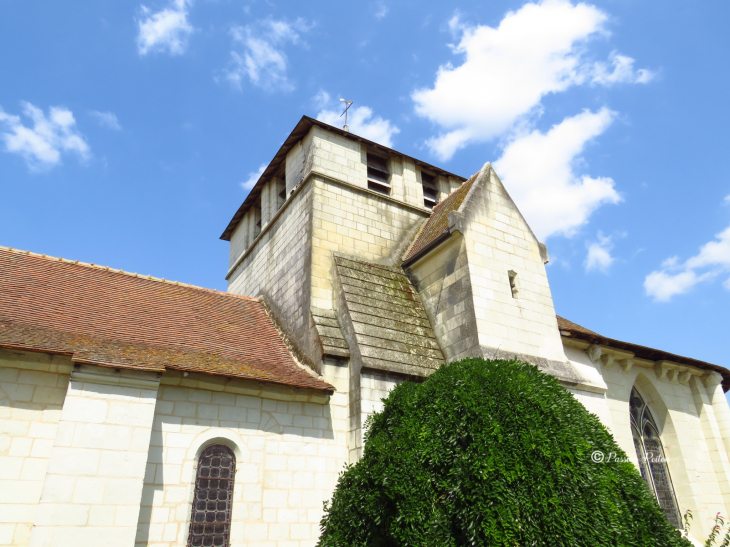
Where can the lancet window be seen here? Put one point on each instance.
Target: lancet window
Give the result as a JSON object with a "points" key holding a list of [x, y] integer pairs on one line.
{"points": [[652, 461], [210, 522]]}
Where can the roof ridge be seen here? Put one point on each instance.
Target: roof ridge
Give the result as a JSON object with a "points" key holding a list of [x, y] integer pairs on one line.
{"points": [[119, 271]]}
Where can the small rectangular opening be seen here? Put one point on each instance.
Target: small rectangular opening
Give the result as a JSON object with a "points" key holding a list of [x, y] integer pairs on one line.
{"points": [[378, 174], [430, 190], [513, 283]]}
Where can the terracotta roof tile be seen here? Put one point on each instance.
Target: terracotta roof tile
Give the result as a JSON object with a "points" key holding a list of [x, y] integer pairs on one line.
{"points": [[112, 318], [439, 221]]}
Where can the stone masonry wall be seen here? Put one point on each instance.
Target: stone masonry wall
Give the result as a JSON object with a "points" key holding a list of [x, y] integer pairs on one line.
{"points": [[289, 454], [32, 390], [499, 241], [278, 267], [356, 222], [442, 281], [93, 485], [689, 430]]}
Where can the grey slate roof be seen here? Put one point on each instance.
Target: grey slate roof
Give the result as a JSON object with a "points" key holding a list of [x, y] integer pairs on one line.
{"points": [[390, 324], [330, 334]]}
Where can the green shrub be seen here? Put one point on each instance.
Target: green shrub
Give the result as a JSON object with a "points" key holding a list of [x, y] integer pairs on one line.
{"points": [[490, 453]]}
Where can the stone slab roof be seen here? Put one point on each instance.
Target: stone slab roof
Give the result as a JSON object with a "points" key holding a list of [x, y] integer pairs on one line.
{"points": [[112, 318], [438, 223], [330, 333], [391, 327]]}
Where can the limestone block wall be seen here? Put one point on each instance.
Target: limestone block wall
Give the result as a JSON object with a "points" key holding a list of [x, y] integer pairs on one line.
{"points": [[374, 387], [356, 222], [32, 389], [93, 485], [442, 281], [337, 157], [289, 452], [278, 266], [499, 241], [689, 430]]}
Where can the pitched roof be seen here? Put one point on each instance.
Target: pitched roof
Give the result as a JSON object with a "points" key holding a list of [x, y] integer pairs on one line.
{"points": [[574, 330], [438, 223], [391, 327], [112, 318]]}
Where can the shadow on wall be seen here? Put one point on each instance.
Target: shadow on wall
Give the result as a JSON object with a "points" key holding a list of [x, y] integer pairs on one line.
{"points": [[176, 442]]}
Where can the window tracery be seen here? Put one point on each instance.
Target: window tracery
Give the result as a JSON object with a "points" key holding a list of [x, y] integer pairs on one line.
{"points": [[210, 521], [652, 461]]}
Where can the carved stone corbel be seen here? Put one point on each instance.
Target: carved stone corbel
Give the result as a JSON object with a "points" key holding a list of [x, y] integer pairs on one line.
{"points": [[626, 365], [684, 377], [608, 360], [661, 369], [594, 353], [712, 379]]}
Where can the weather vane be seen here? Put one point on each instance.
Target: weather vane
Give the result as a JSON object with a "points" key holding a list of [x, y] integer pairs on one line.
{"points": [[349, 104]]}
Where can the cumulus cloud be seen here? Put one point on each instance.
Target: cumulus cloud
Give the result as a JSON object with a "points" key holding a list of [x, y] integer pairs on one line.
{"points": [[539, 170], [599, 254], [253, 177], [166, 30], [42, 144], [506, 71], [262, 59], [360, 121], [621, 70], [675, 278], [106, 119]]}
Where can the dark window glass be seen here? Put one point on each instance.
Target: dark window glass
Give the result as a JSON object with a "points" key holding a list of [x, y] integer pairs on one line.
{"points": [[210, 521], [652, 462]]}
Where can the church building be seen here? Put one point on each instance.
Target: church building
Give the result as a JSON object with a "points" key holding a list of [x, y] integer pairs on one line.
{"points": [[141, 412]]}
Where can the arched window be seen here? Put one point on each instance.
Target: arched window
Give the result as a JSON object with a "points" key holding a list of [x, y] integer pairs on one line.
{"points": [[210, 521], [650, 453]]}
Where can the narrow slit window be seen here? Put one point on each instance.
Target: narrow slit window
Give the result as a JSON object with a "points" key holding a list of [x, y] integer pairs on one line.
{"points": [[378, 174], [430, 190], [210, 522], [513, 283]]}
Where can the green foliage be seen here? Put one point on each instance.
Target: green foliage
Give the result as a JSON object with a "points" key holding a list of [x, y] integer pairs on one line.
{"points": [[491, 453]]}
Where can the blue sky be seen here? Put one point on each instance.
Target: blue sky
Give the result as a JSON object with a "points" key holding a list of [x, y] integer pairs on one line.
{"points": [[128, 132]]}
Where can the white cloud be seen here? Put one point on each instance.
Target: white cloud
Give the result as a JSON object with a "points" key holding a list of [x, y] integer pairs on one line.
{"points": [[262, 59], [538, 170], [599, 254], [106, 119], [165, 30], [42, 144], [382, 9], [674, 278], [360, 121], [536, 50], [253, 177], [623, 72]]}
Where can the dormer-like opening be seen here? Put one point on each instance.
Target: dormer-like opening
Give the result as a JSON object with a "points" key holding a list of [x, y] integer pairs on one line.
{"points": [[430, 190], [378, 174]]}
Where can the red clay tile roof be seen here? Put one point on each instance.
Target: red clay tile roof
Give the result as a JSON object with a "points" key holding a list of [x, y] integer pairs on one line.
{"points": [[439, 221], [112, 318]]}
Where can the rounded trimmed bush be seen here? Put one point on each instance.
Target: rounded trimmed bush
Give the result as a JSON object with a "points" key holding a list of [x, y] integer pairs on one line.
{"points": [[491, 453]]}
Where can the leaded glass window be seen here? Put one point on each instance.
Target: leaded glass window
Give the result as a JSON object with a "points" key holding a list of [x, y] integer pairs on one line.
{"points": [[210, 521], [650, 453]]}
